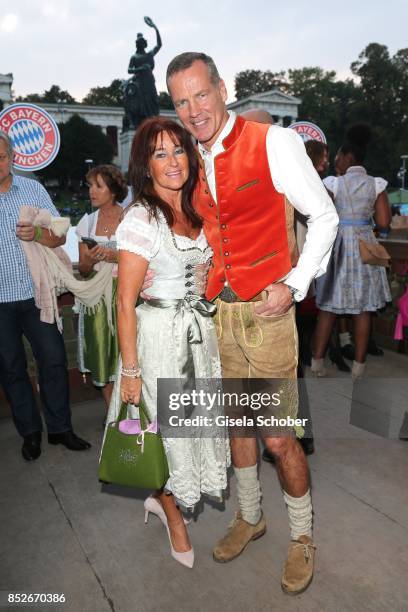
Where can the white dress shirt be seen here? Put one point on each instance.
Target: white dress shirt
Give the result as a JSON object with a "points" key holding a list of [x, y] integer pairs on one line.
{"points": [[292, 174]]}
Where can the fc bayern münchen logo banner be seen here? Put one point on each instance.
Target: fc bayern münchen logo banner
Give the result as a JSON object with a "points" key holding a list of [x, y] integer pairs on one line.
{"points": [[33, 133], [308, 131]]}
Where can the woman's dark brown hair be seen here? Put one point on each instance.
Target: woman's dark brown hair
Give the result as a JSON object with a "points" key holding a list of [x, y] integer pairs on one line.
{"points": [[357, 138], [143, 146], [113, 178], [315, 150]]}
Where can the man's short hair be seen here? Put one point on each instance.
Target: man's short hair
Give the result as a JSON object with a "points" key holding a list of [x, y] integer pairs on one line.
{"points": [[9, 144], [186, 60]]}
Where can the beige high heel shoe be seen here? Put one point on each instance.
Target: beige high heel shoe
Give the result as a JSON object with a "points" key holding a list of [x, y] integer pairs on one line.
{"points": [[151, 504], [318, 368]]}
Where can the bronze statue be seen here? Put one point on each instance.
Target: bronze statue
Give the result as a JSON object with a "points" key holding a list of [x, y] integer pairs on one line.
{"points": [[140, 95]]}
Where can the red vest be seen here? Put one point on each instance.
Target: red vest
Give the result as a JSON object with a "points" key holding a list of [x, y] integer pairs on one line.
{"points": [[247, 229]]}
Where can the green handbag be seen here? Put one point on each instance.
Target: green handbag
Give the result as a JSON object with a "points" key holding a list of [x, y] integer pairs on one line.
{"points": [[133, 453]]}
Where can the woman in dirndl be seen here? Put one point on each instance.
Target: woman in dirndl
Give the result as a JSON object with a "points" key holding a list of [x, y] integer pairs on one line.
{"points": [[97, 330], [171, 335], [349, 285]]}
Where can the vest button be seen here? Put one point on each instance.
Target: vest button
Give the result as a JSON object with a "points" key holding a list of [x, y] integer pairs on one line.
{"points": [[223, 226], [211, 205], [226, 253], [206, 191], [225, 239], [228, 266]]}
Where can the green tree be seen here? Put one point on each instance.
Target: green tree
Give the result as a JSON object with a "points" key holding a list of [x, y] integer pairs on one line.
{"points": [[53, 95], [325, 101], [34, 98], [248, 82], [80, 140], [112, 95], [379, 80], [400, 64], [315, 87], [384, 89], [400, 61]]}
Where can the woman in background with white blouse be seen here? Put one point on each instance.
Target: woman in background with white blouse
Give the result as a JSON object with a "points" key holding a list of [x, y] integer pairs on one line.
{"points": [[349, 285], [97, 334]]}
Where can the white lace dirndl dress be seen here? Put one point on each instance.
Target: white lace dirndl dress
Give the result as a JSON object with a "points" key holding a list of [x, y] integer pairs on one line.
{"points": [[197, 465]]}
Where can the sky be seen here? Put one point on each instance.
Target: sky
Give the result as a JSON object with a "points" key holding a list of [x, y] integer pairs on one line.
{"points": [[79, 44]]}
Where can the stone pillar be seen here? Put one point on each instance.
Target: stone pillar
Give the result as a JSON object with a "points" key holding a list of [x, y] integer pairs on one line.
{"points": [[6, 81], [125, 139]]}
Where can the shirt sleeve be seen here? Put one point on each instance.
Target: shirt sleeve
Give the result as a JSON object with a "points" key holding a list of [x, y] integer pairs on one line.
{"points": [[138, 233], [81, 229], [293, 174], [46, 202], [380, 185]]}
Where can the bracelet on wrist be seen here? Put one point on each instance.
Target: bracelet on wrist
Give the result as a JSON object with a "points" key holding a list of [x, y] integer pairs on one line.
{"points": [[131, 372], [37, 233]]}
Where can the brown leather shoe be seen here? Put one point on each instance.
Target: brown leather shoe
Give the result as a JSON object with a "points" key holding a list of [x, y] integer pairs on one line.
{"points": [[239, 535], [298, 571]]}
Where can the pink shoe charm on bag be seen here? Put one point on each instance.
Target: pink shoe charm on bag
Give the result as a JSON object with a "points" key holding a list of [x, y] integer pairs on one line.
{"points": [[131, 427]]}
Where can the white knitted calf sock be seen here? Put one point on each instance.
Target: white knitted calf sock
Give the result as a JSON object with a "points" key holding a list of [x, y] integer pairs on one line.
{"points": [[300, 514], [249, 493]]}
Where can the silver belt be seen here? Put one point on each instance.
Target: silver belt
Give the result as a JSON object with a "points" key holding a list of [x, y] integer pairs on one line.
{"points": [[186, 330]]}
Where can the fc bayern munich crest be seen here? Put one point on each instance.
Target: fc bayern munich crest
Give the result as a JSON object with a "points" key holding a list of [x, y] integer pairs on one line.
{"points": [[308, 131], [34, 134]]}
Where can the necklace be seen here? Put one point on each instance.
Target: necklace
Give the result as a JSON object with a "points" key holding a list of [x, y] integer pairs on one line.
{"points": [[110, 224]]}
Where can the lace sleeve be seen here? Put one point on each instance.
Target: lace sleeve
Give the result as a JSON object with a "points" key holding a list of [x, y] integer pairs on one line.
{"points": [[82, 227], [138, 234]]}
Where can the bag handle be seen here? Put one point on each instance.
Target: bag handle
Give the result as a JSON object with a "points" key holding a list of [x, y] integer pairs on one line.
{"points": [[144, 419]]}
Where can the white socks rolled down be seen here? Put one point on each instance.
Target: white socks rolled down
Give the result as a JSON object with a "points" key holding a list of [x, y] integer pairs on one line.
{"points": [[318, 368], [249, 500], [300, 514], [249, 493], [357, 371]]}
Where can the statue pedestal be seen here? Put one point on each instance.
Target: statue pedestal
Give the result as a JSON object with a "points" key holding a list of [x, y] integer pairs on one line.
{"points": [[125, 140]]}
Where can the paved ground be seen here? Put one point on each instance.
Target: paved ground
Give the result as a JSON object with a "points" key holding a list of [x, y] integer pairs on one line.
{"points": [[61, 532]]}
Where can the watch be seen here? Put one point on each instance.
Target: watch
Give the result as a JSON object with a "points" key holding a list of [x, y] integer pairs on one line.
{"points": [[293, 292]]}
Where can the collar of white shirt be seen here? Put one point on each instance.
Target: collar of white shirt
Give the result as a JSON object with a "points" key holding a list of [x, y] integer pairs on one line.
{"points": [[218, 146]]}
